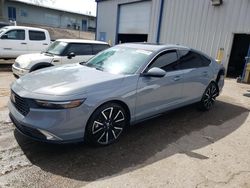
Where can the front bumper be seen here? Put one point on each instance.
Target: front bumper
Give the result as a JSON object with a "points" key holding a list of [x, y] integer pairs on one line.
{"points": [[18, 72], [55, 126], [221, 82]]}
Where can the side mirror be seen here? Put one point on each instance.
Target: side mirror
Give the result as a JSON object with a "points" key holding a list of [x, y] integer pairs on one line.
{"points": [[71, 54], [83, 62], [4, 36], [154, 72]]}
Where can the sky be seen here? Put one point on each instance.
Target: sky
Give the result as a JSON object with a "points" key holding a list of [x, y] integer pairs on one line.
{"points": [[79, 6]]}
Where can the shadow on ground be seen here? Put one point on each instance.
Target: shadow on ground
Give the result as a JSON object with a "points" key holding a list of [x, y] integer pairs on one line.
{"points": [[180, 131]]}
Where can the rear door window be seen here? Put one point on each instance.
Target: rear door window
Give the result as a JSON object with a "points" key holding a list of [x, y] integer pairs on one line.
{"points": [[36, 35], [189, 60], [79, 49], [205, 61]]}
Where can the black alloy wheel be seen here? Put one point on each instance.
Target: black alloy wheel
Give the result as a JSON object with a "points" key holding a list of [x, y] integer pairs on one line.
{"points": [[209, 97], [106, 124]]}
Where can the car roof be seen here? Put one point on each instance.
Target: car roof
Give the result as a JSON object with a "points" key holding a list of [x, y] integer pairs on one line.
{"points": [[81, 41], [24, 27], [154, 47]]}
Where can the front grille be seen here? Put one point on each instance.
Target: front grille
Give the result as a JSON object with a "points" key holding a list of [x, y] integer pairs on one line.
{"points": [[20, 103]]}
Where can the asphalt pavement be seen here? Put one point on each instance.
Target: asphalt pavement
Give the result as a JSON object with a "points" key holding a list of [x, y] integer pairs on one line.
{"points": [[183, 148]]}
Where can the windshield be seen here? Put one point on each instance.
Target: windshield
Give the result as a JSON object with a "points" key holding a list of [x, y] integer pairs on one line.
{"points": [[119, 60], [56, 48]]}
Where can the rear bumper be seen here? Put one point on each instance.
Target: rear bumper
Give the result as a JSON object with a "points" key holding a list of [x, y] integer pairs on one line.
{"points": [[221, 83]]}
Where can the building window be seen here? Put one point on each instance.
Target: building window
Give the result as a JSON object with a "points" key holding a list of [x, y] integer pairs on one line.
{"points": [[12, 13], [52, 20], [102, 36], [23, 13], [84, 25]]}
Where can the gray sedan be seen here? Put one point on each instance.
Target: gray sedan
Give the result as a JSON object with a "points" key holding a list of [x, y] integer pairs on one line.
{"points": [[120, 86]]}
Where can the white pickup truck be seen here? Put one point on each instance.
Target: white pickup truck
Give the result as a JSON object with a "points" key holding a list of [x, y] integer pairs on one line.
{"points": [[18, 40]]}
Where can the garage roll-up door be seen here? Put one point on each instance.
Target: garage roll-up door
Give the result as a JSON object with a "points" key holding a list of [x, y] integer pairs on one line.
{"points": [[135, 18]]}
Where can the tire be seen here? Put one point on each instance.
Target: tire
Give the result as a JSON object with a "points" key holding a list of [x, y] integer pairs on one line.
{"points": [[209, 97], [106, 124]]}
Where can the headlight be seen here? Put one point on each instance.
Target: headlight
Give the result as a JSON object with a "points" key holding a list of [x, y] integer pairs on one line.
{"points": [[60, 104], [17, 64]]}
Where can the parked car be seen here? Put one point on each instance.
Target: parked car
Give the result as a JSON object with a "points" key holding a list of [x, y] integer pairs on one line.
{"points": [[118, 87], [61, 51], [18, 40]]}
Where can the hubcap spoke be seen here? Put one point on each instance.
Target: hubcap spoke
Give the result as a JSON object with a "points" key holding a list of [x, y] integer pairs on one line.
{"points": [[107, 137], [118, 128], [214, 95], [99, 140], [213, 90], [104, 115], [119, 113], [97, 126], [114, 134], [110, 113], [208, 91]]}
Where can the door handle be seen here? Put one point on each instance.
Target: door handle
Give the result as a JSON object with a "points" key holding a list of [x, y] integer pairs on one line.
{"points": [[176, 78], [24, 43], [45, 44]]}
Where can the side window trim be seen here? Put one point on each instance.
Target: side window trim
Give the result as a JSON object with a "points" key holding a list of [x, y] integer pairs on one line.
{"points": [[66, 49]]}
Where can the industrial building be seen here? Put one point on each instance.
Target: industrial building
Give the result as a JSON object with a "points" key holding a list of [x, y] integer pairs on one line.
{"points": [[32, 13], [216, 27]]}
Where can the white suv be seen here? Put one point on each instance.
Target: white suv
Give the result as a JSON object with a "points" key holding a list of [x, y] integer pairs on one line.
{"points": [[61, 51]]}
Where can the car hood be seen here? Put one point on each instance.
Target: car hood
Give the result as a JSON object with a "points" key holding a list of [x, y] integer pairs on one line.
{"points": [[70, 79], [28, 59]]}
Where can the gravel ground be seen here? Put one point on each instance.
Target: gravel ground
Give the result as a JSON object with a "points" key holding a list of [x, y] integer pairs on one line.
{"points": [[183, 148]]}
